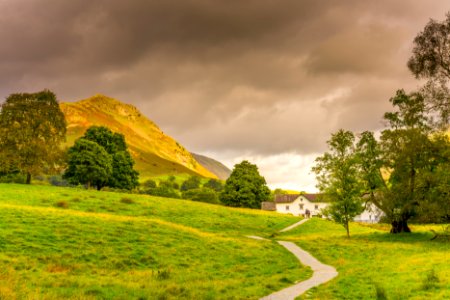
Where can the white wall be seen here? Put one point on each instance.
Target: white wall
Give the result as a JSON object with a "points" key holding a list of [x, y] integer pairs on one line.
{"points": [[299, 206], [371, 214]]}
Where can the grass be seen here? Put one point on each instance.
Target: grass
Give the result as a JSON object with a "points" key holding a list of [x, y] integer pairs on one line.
{"points": [[374, 264], [66, 243]]}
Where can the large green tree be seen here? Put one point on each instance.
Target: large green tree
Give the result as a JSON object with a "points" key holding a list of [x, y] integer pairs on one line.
{"points": [[122, 175], [32, 128], [406, 148], [431, 60], [245, 187], [88, 163], [338, 178]]}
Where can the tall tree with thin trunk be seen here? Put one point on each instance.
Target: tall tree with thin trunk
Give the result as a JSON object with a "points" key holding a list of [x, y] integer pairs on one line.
{"points": [[32, 127], [337, 176]]}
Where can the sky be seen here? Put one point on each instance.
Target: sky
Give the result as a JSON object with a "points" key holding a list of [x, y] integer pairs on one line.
{"points": [[262, 80]]}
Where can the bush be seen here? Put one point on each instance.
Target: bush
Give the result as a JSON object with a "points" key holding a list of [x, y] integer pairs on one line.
{"points": [[191, 183], [150, 184], [214, 184], [57, 180], [163, 191], [13, 178], [203, 195]]}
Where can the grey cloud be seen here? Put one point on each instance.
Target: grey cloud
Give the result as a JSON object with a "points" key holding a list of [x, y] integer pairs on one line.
{"points": [[260, 76]]}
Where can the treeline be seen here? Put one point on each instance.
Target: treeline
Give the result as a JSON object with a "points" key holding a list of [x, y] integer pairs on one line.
{"points": [[405, 171], [33, 128], [192, 188]]}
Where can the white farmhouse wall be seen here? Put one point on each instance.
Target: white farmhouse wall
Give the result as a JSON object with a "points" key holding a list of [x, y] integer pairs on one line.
{"points": [[299, 206]]}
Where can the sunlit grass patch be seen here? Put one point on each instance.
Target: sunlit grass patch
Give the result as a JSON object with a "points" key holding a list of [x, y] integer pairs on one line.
{"points": [[374, 262], [151, 248]]}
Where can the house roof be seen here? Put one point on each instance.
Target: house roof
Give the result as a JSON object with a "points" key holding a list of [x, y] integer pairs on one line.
{"points": [[291, 198], [285, 198]]}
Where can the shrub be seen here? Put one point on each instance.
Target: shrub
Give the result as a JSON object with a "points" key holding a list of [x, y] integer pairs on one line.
{"points": [[57, 180], [202, 194], [191, 183], [163, 191], [13, 178], [150, 184]]}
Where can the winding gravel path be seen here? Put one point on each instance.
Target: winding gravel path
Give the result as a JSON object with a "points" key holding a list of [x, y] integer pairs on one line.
{"points": [[321, 272]]}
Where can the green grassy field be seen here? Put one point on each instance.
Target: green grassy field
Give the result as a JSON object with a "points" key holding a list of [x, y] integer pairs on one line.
{"points": [[396, 265], [67, 243]]}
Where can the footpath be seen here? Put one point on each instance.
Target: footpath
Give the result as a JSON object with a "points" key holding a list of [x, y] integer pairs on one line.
{"points": [[321, 272]]}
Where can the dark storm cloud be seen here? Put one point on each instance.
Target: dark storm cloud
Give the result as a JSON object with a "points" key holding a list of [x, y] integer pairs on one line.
{"points": [[258, 76]]}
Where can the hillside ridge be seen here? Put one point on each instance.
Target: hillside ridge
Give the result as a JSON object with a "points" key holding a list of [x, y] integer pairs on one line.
{"points": [[155, 153]]}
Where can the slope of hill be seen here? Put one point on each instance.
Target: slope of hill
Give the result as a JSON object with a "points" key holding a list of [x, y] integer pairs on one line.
{"points": [[219, 169], [155, 153], [69, 243]]}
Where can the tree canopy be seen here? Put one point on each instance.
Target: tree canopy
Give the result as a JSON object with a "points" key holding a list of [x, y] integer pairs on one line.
{"points": [[430, 60], [338, 178], [245, 187], [122, 174], [32, 127], [88, 163]]}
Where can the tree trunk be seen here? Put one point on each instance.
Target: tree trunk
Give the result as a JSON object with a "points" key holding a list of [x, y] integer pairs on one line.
{"points": [[400, 226], [347, 229], [28, 178]]}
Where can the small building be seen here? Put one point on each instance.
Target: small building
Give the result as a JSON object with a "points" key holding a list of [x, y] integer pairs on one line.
{"points": [[305, 205], [311, 205]]}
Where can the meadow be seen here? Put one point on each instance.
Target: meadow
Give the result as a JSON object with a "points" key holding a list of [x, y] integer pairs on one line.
{"points": [[68, 243], [374, 264]]}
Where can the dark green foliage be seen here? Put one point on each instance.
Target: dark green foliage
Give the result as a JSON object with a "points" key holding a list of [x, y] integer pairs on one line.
{"points": [[214, 184], [57, 180], [170, 183], [191, 183], [112, 142], [122, 175], [406, 152], [202, 194], [32, 127], [163, 191], [149, 184], [338, 178], [13, 177], [431, 60], [88, 163], [245, 187]]}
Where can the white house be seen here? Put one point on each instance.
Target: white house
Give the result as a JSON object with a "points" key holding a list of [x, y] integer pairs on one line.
{"points": [[310, 205]]}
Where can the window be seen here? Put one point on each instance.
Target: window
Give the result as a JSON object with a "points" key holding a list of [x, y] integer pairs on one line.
{"points": [[287, 207], [301, 206], [316, 206]]}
